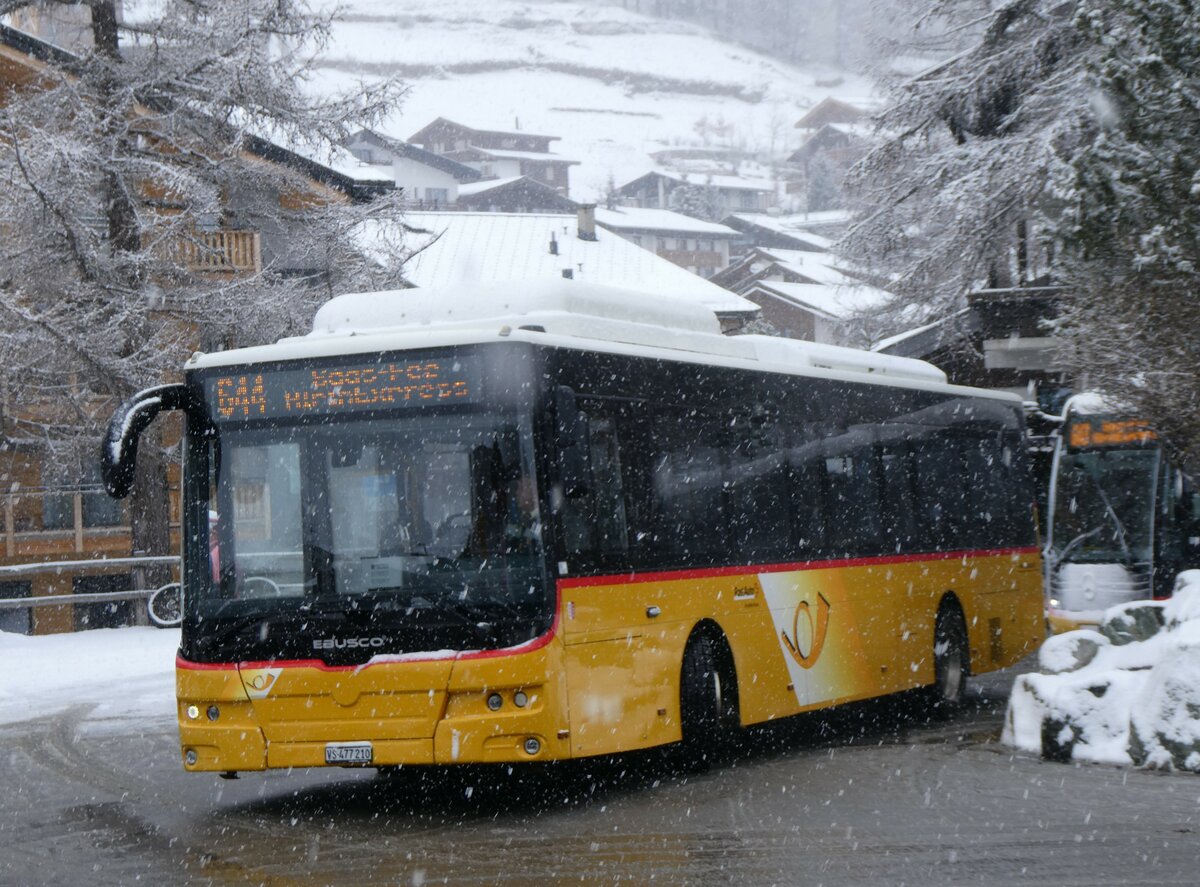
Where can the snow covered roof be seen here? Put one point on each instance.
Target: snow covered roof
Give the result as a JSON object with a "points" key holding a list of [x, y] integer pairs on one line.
{"points": [[486, 185], [834, 302], [401, 148], [504, 154], [736, 183], [817, 267], [467, 247], [622, 218], [731, 183], [796, 226], [510, 133]]}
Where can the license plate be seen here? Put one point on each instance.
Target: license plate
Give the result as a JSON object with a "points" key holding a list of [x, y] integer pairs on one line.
{"points": [[348, 753]]}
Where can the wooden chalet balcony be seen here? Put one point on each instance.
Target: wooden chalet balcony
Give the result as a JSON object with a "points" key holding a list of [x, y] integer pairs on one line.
{"points": [[224, 251]]}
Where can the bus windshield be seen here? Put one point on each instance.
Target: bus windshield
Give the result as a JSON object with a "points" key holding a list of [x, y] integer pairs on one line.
{"points": [[1104, 506], [354, 538]]}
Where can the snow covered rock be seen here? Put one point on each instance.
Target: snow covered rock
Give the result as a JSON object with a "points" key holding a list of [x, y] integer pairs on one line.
{"points": [[1164, 728], [1132, 623], [1126, 694], [1070, 651]]}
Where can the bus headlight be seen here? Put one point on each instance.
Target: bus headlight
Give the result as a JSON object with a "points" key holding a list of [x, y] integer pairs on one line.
{"points": [[190, 757], [520, 700], [533, 745], [193, 712], [213, 712], [495, 701]]}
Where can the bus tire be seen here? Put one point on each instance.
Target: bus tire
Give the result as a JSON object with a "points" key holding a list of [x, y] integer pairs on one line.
{"points": [[951, 659], [708, 703]]}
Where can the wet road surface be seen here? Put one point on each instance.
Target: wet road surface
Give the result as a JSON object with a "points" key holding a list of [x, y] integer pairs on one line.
{"points": [[872, 794]]}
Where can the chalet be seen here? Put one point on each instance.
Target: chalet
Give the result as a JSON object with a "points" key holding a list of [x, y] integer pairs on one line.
{"points": [[831, 111], [519, 194], [805, 295], [701, 247], [727, 194], [456, 248], [777, 232], [497, 154], [828, 313], [841, 145], [429, 180]]}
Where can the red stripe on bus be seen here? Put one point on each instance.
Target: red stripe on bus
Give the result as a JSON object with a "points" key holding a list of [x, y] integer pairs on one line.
{"points": [[754, 569], [462, 655]]}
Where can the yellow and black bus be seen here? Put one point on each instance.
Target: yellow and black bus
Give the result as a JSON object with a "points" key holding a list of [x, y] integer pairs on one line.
{"points": [[547, 521]]}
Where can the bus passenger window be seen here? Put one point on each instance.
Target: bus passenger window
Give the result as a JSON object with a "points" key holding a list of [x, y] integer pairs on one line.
{"points": [[896, 498], [759, 510], [806, 458], [688, 487], [853, 523], [594, 524]]}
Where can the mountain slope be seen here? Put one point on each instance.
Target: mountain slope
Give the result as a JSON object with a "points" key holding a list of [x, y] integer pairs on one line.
{"points": [[613, 84]]}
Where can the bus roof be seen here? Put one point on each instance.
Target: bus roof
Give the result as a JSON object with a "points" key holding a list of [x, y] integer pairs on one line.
{"points": [[570, 314]]}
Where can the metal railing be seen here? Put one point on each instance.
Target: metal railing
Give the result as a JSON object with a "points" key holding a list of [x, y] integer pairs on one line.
{"points": [[163, 604]]}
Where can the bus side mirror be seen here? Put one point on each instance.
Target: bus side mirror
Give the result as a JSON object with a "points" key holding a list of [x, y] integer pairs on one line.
{"points": [[118, 453], [573, 444]]}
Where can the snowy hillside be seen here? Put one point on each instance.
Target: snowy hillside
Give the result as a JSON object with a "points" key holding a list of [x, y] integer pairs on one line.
{"points": [[614, 85]]}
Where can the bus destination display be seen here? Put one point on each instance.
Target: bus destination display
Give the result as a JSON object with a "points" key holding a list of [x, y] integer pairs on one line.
{"points": [[389, 384], [1088, 433]]}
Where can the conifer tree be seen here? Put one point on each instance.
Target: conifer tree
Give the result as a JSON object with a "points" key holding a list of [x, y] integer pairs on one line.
{"points": [[1130, 220]]}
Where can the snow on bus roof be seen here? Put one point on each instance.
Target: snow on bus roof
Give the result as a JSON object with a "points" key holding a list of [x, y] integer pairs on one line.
{"points": [[495, 302], [569, 314]]}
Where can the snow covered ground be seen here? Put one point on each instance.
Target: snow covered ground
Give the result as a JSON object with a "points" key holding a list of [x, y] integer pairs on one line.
{"points": [[615, 85], [123, 673], [1128, 693]]}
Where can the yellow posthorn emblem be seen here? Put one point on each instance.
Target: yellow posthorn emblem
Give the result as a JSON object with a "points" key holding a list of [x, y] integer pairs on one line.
{"points": [[817, 629]]}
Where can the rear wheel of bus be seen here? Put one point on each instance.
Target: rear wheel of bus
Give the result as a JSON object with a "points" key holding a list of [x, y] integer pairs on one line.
{"points": [[708, 701], [951, 658]]}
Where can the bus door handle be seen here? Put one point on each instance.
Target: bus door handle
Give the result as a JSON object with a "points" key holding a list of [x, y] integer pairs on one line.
{"points": [[653, 611]]}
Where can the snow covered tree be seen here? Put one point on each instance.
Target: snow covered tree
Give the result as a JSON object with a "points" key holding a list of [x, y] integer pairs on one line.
{"points": [[1130, 224], [125, 169], [824, 186], [697, 201], [950, 198]]}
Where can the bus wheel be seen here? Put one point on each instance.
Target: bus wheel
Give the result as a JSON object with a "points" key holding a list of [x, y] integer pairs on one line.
{"points": [[708, 702], [951, 659]]}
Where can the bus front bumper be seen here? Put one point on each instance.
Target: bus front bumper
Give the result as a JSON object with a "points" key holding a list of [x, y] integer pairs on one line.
{"points": [[234, 718]]}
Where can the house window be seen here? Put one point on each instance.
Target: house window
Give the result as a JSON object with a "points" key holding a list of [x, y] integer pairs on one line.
{"points": [[549, 173], [437, 196], [636, 238]]}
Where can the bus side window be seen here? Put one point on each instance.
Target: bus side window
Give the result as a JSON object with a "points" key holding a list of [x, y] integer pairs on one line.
{"points": [[594, 525], [759, 507], [688, 481], [896, 497], [986, 498], [806, 461], [853, 524], [930, 477]]}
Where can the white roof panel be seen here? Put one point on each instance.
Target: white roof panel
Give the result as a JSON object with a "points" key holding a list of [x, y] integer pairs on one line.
{"points": [[466, 248], [634, 218]]}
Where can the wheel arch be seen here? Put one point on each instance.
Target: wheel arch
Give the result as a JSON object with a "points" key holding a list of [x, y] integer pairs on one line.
{"points": [[717, 636], [948, 603]]}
